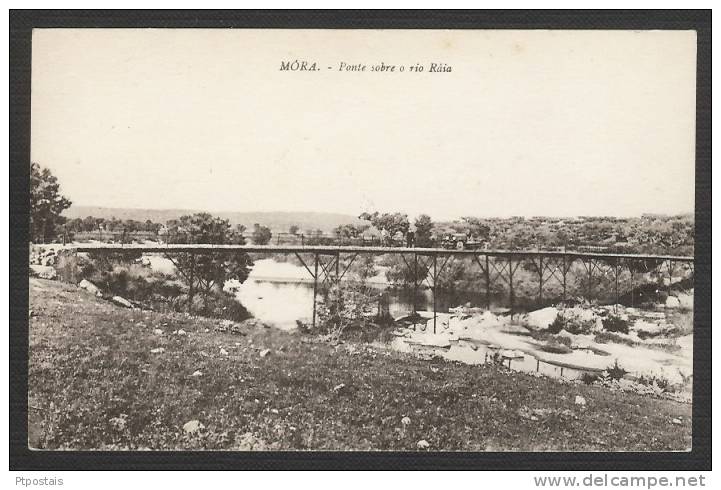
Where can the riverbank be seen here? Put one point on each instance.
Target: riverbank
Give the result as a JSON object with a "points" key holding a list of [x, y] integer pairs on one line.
{"points": [[106, 377]]}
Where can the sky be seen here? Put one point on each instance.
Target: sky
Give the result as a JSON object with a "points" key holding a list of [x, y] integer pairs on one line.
{"points": [[558, 123]]}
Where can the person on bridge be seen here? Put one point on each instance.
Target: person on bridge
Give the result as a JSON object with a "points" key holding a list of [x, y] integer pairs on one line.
{"points": [[410, 239], [411, 236]]}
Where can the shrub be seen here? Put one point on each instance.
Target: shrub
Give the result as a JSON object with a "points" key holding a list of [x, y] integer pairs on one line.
{"points": [[73, 268], [590, 378], [118, 274], [556, 348], [224, 305], [616, 371], [562, 340], [344, 306], [571, 324], [659, 381], [558, 324], [614, 323], [606, 337]]}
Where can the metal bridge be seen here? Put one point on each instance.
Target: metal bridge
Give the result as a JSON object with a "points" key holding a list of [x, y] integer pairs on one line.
{"points": [[426, 264]]}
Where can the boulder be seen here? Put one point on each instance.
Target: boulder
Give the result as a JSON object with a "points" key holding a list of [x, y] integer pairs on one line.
{"points": [[541, 319], [686, 300], [90, 287], [48, 258], [121, 302], [673, 302], [193, 426], [511, 354], [43, 271]]}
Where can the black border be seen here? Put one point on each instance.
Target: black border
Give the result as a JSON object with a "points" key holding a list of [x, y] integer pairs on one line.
{"points": [[23, 21]]}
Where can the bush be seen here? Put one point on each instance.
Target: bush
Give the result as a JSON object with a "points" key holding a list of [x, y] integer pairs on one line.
{"points": [[616, 371], [562, 340], [223, 305], [119, 275], [614, 323], [558, 324], [590, 378], [345, 306], [73, 268], [659, 381], [570, 323], [556, 348], [606, 337]]}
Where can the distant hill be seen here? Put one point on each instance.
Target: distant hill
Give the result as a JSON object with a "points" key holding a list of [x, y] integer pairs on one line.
{"points": [[277, 221]]}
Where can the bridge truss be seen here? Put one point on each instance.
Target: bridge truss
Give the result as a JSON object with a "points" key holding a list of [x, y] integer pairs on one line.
{"points": [[328, 265]]}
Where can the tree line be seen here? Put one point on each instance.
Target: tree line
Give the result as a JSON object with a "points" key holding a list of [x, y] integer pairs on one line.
{"points": [[644, 234]]}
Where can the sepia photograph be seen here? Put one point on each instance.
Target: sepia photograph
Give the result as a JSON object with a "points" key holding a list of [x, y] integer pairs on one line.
{"points": [[347, 240]]}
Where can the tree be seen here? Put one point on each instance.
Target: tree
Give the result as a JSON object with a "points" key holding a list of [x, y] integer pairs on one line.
{"points": [[350, 231], [204, 272], [261, 234], [46, 204], [424, 230], [293, 229], [478, 227], [391, 223]]}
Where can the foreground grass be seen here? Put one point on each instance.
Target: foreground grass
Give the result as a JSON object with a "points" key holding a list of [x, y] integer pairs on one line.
{"points": [[94, 384]]}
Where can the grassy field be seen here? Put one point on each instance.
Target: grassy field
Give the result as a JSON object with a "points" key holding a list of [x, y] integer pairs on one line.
{"points": [[95, 384]]}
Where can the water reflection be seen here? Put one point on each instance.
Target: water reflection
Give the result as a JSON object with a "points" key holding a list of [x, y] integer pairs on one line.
{"points": [[279, 293]]}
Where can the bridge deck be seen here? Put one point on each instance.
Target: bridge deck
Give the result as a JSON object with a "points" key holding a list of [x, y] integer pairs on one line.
{"points": [[332, 250]]}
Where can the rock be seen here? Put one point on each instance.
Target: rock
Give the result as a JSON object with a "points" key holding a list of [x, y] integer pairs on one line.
{"points": [[677, 421], [48, 259], [157, 331], [541, 319], [264, 352], [580, 400], [431, 340], [686, 300], [119, 423], [511, 354], [120, 301], [673, 302], [193, 426], [43, 271], [405, 421], [181, 332], [339, 387], [423, 444], [157, 350], [90, 287], [248, 442], [196, 374], [223, 352]]}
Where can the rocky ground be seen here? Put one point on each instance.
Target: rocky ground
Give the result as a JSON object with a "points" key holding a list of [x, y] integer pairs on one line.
{"points": [[103, 376], [655, 345]]}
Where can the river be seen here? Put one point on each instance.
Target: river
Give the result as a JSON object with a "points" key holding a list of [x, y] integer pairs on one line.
{"points": [[279, 293]]}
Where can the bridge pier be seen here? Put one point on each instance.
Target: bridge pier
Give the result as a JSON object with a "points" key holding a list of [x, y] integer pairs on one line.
{"points": [[435, 278], [315, 287], [415, 288], [510, 285]]}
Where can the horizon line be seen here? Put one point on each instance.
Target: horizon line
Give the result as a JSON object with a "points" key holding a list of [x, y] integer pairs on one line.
{"points": [[197, 210]]}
